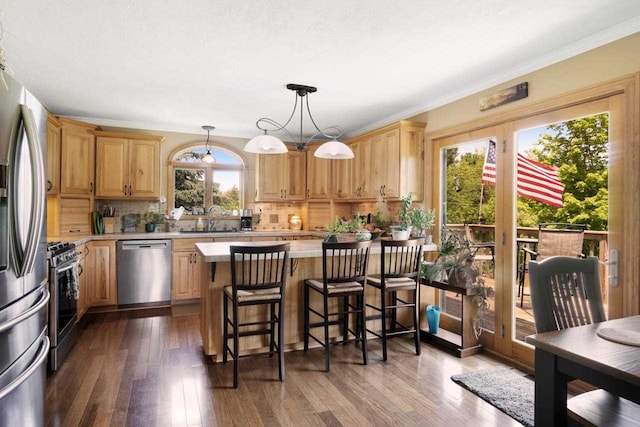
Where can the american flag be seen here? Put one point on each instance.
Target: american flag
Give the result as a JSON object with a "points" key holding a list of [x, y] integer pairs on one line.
{"points": [[536, 181]]}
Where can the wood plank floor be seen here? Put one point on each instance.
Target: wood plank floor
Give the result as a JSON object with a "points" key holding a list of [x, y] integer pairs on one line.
{"points": [[146, 368]]}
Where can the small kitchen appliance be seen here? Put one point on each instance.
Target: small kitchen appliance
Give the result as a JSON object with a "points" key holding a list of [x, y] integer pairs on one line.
{"points": [[246, 220]]}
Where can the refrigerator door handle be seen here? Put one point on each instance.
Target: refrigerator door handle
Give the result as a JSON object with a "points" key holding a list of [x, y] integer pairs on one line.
{"points": [[38, 191], [44, 299], [40, 358]]}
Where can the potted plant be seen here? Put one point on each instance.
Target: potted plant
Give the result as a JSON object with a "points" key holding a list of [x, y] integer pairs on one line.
{"points": [[455, 265], [150, 220], [422, 222], [335, 228], [402, 231]]}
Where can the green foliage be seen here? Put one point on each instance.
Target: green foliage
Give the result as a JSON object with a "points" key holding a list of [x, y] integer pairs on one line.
{"points": [[422, 219], [189, 188], [380, 220], [338, 226], [227, 200], [403, 213]]}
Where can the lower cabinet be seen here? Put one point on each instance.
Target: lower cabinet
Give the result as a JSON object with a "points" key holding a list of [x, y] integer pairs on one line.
{"points": [[102, 285], [185, 281]]}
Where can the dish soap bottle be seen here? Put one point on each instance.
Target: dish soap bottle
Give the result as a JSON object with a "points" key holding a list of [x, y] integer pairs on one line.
{"points": [[199, 225]]}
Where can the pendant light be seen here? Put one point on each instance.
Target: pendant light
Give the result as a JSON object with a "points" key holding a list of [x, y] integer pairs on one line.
{"points": [[208, 158], [269, 144]]}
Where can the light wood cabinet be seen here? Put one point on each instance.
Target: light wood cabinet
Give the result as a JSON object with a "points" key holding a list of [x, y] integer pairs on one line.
{"points": [[102, 286], [82, 282], [185, 282], [54, 134], [389, 162], [127, 166], [69, 216], [77, 157], [342, 179], [280, 177], [318, 176]]}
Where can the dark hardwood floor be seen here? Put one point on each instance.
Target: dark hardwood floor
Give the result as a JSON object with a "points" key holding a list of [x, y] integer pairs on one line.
{"points": [[146, 368]]}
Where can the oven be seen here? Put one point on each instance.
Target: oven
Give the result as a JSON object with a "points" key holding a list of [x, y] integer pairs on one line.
{"points": [[63, 307]]}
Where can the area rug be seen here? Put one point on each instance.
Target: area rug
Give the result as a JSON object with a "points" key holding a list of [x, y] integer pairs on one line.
{"points": [[508, 389]]}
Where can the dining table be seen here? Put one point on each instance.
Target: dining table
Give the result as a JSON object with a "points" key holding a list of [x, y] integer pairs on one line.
{"points": [[605, 355]]}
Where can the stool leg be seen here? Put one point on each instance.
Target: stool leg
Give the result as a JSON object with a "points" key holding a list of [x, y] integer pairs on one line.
{"points": [[236, 338], [416, 320], [363, 320], [306, 317], [281, 339], [326, 332], [345, 319], [383, 307], [225, 336], [272, 336], [394, 301]]}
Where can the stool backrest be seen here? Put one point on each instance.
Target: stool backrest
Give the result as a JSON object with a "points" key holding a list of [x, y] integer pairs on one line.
{"points": [[258, 267], [345, 262], [565, 292], [401, 258]]}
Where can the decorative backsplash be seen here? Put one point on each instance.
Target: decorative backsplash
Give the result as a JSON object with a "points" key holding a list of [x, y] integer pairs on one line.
{"points": [[275, 216]]}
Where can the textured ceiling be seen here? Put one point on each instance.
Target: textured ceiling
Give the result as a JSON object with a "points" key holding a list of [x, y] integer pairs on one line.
{"points": [[176, 65]]}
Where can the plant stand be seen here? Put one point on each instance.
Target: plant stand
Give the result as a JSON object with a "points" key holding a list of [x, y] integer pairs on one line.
{"points": [[465, 343]]}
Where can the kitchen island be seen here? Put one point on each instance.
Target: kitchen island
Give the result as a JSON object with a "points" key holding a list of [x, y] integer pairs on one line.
{"points": [[305, 261]]}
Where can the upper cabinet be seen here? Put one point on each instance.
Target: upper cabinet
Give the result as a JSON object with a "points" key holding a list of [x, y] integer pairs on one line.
{"points": [[280, 177], [127, 166], [318, 176], [54, 135], [388, 162], [77, 157]]}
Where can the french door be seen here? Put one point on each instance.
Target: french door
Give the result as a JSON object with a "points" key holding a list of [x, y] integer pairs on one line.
{"points": [[498, 214]]}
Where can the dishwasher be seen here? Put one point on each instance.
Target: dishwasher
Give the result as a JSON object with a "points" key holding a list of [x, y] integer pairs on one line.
{"points": [[144, 271]]}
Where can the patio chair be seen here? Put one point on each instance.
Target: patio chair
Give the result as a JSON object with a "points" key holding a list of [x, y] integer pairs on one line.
{"points": [[480, 246], [554, 239]]}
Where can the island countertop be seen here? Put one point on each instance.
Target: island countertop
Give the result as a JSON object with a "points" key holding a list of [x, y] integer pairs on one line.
{"points": [[219, 251]]}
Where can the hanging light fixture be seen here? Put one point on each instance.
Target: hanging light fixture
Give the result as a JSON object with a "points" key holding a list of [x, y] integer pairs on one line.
{"points": [[269, 144], [208, 158]]}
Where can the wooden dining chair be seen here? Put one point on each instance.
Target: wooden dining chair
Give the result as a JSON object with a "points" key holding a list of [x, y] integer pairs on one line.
{"points": [[344, 274], [565, 292], [258, 277], [399, 271]]}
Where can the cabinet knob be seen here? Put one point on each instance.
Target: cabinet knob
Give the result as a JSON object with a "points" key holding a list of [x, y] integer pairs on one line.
{"points": [[49, 185], [91, 187]]}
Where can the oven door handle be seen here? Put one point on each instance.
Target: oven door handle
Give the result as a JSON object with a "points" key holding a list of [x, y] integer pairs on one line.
{"points": [[44, 299], [66, 268]]}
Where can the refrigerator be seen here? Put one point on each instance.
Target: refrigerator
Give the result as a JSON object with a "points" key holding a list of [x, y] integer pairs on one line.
{"points": [[24, 293]]}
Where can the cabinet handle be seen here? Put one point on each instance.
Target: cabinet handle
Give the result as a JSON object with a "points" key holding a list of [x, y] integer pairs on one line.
{"points": [[285, 193], [91, 187], [130, 190], [125, 189], [384, 190], [49, 185], [308, 193], [381, 190], [80, 270], [86, 250], [75, 231]]}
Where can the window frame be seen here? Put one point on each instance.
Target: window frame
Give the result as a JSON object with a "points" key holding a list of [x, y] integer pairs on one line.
{"points": [[209, 168]]}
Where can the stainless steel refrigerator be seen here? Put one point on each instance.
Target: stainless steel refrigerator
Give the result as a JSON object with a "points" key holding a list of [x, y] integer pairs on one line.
{"points": [[24, 345]]}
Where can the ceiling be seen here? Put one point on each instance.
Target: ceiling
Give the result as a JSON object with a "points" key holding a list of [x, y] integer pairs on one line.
{"points": [[175, 66]]}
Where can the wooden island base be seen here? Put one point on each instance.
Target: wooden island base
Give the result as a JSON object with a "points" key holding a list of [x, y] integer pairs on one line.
{"points": [[305, 258]]}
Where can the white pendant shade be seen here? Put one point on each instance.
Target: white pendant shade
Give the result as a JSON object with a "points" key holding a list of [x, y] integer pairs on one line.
{"points": [[334, 150], [208, 158], [265, 144]]}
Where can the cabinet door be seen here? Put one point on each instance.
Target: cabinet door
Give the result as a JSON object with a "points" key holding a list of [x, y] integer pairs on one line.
{"points": [[362, 169], [102, 287], [77, 160], [342, 171], [112, 158], [195, 276], [74, 216], [295, 176], [270, 177], [53, 157], [318, 177], [385, 162], [182, 280], [144, 169], [379, 164], [82, 283]]}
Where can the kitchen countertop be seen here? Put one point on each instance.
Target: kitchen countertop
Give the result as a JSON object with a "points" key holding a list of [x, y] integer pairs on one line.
{"points": [[79, 240], [219, 251]]}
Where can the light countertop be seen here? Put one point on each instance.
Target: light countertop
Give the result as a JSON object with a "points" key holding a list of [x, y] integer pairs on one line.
{"points": [[219, 251]]}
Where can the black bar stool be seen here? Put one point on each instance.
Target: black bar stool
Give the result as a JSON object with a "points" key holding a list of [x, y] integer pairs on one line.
{"points": [[257, 278], [400, 271], [344, 273]]}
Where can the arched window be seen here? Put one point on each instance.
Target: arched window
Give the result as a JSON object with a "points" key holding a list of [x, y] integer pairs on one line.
{"points": [[197, 185]]}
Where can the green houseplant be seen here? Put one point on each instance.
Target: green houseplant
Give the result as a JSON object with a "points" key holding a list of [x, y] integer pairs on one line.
{"points": [[455, 265], [422, 221], [403, 229], [150, 220]]}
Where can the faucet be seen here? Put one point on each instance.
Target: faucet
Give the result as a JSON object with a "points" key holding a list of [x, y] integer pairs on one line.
{"points": [[210, 222]]}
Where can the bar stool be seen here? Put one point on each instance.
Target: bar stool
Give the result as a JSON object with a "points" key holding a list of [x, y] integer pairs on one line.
{"points": [[344, 273], [400, 270], [257, 278]]}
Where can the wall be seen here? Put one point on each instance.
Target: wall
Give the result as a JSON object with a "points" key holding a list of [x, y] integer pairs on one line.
{"points": [[599, 65]]}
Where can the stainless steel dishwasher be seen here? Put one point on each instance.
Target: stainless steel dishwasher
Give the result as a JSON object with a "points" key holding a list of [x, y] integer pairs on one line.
{"points": [[144, 271]]}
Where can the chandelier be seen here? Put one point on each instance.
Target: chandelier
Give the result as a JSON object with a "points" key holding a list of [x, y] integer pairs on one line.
{"points": [[269, 144], [208, 158]]}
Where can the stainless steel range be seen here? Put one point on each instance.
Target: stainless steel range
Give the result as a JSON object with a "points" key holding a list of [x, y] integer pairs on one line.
{"points": [[63, 308]]}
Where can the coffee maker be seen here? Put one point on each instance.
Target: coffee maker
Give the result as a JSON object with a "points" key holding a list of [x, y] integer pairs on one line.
{"points": [[246, 220]]}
